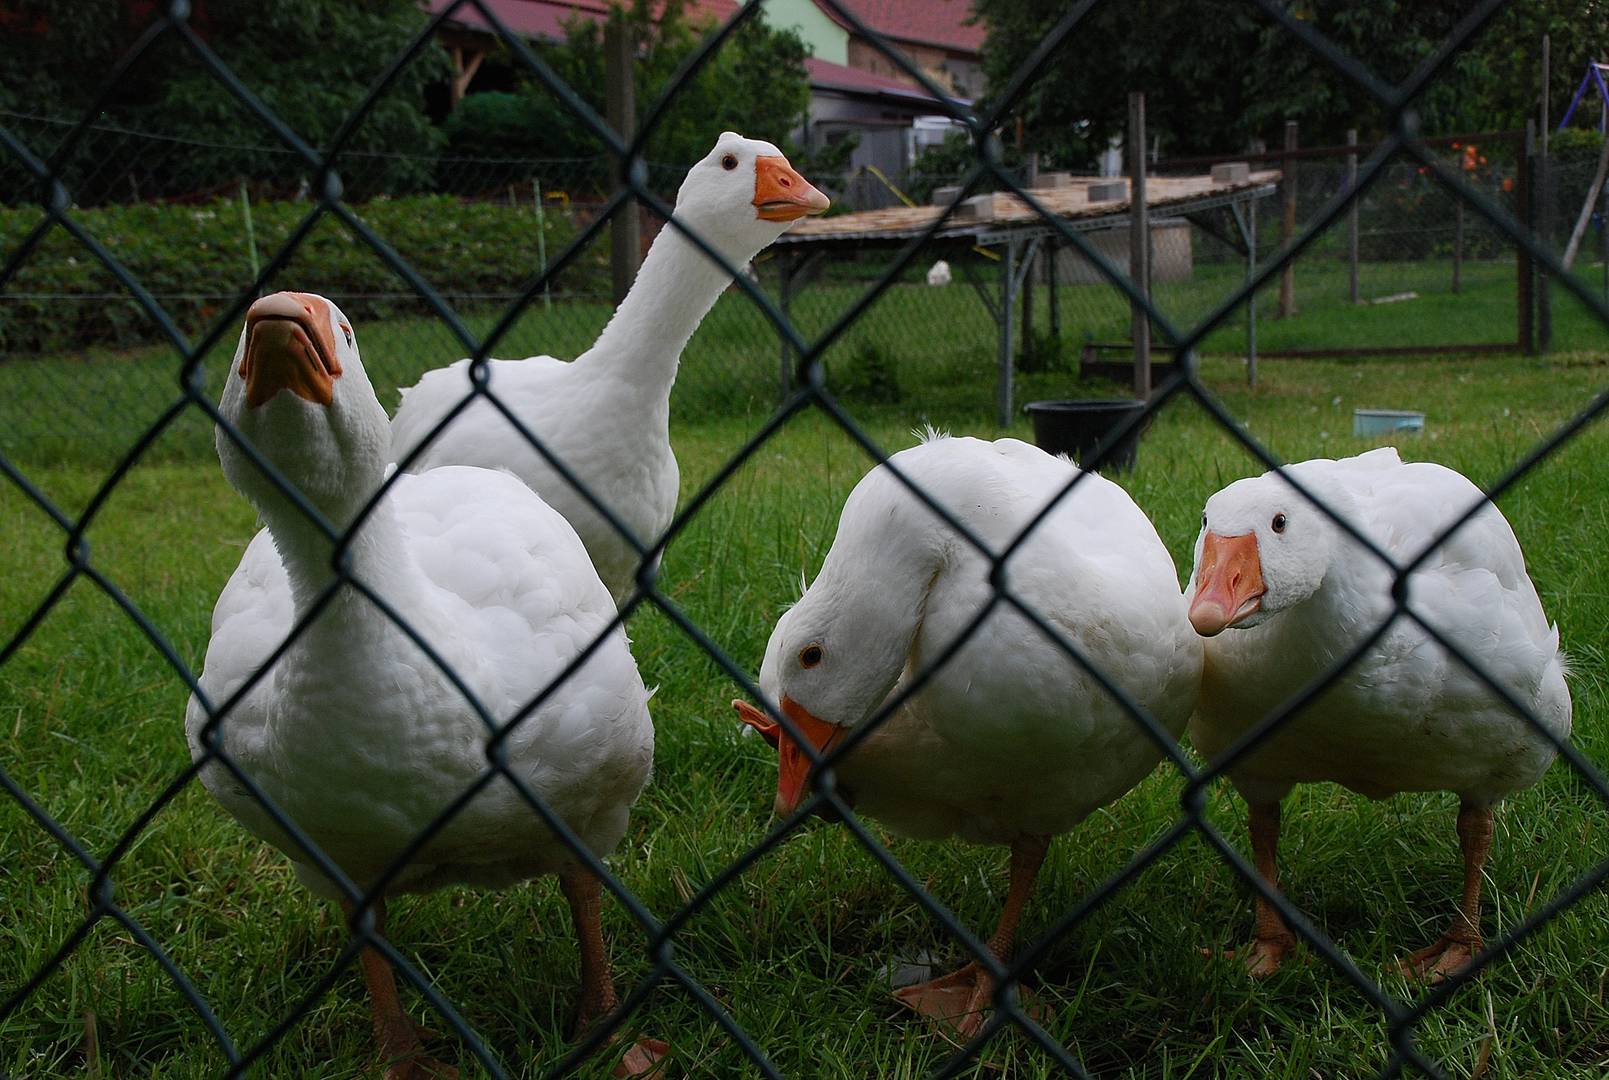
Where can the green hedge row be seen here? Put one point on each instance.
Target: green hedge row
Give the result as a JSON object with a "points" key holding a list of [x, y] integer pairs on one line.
{"points": [[196, 258]]}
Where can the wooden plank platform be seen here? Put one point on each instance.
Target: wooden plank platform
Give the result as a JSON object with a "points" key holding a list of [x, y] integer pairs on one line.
{"points": [[1070, 202]]}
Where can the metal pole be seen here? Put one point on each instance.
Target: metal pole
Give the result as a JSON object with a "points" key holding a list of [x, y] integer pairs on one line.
{"points": [[1251, 300], [251, 233], [1139, 247], [541, 242], [1287, 230], [787, 266], [1008, 273], [1603, 232], [1352, 216], [621, 109]]}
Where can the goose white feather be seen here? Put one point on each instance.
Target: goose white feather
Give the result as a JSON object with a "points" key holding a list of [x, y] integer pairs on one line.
{"points": [[354, 732], [1011, 741], [1298, 593], [606, 415]]}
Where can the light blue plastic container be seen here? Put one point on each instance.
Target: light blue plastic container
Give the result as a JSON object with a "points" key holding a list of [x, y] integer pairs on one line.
{"points": [[1386, 421]]}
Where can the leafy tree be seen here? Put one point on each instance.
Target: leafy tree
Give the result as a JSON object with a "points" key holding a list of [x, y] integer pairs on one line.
{"points": [[312, 64], [755, 84], [1218, 74], [310, 61]]}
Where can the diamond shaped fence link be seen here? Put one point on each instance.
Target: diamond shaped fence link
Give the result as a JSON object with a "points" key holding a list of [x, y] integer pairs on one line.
{"points": [[811, 393]]}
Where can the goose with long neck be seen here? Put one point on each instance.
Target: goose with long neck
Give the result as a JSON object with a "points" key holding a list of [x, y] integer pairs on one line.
{"points": [[354, 732], [1011, 741], [606, 415], [1282, 593]]}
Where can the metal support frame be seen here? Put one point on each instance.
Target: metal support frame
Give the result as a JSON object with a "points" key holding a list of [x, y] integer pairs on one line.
{"points": [[794, 273], [1019, 246], [1352, 217], [1246, 222], [1015, 264], [1139, 247]]}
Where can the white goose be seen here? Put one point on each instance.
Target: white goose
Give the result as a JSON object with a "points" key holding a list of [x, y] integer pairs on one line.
{"points": [[1298, 593], [1012, 741], [606, 415], [354, 732]]}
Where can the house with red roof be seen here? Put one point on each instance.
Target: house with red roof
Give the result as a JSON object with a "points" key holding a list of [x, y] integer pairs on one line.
{"points": [[855, 89], [468, 36]]}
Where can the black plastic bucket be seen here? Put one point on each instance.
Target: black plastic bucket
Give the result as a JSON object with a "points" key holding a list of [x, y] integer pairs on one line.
{"points": [[1081, 428]]}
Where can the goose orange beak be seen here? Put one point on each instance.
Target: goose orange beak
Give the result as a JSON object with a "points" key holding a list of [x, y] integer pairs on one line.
{"points": [[793, 767], [289, 346], [781, 194], [1229, 583]]}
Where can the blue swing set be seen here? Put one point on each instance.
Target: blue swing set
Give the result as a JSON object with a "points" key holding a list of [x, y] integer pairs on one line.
{"points": [[1594, 75]]}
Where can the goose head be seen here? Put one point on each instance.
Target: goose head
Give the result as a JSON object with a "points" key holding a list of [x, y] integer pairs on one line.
{"points": [[819, 671], [297, 391], [743, 195], [1264, 548], [834, 657]]}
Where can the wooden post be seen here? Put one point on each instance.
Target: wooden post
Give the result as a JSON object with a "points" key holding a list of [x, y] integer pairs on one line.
{"points": [[1544, 211], [1251, 300], [620, 105], [1287, 229], [1525, 199], [1352, 216], [1139, 247], [1030, 362], [1008, 274], [1051, 284], [1458, 244]]}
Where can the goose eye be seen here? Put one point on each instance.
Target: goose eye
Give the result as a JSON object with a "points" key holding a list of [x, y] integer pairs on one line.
{"points": [[729, 162], [1278, 523], [347, 330], [1203, 520], [810, 655]]}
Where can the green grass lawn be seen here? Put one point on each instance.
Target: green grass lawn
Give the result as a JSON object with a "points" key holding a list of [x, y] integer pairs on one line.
{"points": [[90, 726], [91, 407]]}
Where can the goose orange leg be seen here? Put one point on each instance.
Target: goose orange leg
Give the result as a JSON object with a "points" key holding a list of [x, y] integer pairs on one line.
{"points": [[1272, 941], [396, 1037], [1454, 949], [598, 998], [959, 998]]}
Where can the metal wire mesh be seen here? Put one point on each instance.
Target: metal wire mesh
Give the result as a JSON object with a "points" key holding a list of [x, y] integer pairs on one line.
{"points": [[1399, 159]]}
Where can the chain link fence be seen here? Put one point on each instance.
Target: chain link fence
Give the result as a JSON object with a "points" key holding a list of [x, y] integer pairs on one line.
{"points": [[1414, 203]]}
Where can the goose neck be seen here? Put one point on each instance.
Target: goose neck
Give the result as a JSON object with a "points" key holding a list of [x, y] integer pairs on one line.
{"points": [[675, 288], [376, 556]]}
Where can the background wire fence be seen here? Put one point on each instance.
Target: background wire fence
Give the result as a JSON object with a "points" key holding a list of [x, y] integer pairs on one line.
{"points": [[74, 283], [197, 248]]}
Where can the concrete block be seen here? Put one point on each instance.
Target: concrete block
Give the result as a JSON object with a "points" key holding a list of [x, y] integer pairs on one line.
{"points": [[1231, 172], [1107, 190], [1054, 180], [944, 196], [977, 208], [1172, 257]]}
